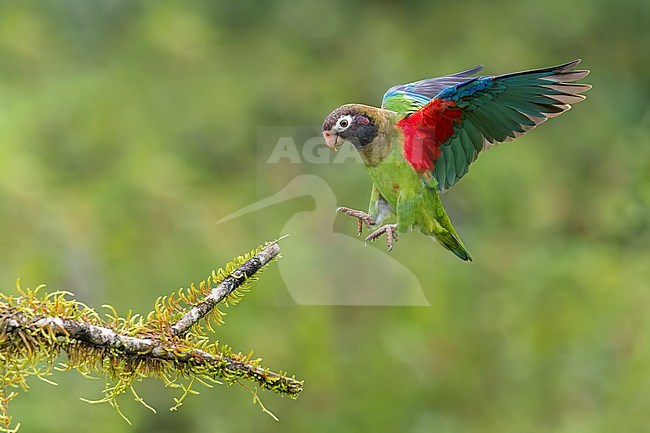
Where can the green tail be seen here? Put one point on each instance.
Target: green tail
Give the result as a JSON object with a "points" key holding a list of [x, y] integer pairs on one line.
{"points": [[439, 226], [450, 241]]}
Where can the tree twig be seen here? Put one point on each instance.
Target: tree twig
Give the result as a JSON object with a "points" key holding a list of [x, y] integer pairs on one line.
{"points": [[230, 283]]}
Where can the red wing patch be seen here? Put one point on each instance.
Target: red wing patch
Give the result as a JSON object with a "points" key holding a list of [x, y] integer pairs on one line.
{"points": [[426, 130]]}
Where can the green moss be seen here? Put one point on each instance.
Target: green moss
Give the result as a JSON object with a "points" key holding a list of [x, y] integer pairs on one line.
{"points": [[29, 347]]}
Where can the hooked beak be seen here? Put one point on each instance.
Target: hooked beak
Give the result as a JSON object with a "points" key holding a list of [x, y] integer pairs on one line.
{"points": [[332, 140]]}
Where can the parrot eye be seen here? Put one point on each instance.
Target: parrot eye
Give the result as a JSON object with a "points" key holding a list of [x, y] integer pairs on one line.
{"points": [[343, 123]]}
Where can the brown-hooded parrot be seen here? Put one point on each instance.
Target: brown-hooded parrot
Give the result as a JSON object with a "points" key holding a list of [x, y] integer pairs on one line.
{"points": [[426, 134]]}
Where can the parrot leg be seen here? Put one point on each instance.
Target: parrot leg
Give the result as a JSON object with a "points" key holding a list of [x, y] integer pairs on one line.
{"points": [[391, 235], [360, 216]]}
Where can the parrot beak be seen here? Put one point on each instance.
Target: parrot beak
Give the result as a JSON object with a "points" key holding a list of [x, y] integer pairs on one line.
{"points": [[332, 140]]}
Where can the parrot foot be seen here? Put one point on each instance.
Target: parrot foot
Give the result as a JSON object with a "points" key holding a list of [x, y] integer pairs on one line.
{"points": [[361, 217], [391, 235]]}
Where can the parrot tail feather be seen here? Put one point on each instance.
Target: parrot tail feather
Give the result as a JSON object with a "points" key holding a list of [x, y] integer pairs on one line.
{"points": [[453, 244]]}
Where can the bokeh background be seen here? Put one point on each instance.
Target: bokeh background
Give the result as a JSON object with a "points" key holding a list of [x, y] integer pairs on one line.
{"points": [[127, 129]]}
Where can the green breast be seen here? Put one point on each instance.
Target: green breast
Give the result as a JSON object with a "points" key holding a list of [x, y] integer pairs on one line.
{"points": [[394, 176]]}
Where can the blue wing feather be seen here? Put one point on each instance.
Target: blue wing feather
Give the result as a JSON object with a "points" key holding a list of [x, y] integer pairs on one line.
{"points": [[413, 96]]}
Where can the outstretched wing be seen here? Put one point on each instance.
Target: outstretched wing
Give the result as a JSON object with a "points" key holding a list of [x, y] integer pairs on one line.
{"points": [[446, 135], [407, 98]]}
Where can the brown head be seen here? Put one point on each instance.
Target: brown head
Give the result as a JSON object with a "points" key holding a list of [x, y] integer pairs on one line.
{"points": [[355, 123], [368, 128]]}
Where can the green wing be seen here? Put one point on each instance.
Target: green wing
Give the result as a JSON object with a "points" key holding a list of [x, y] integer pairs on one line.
{"points": [[502, 108]]}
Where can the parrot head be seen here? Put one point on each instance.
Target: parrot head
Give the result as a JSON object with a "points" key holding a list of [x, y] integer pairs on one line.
{"points": [[352, 122]]}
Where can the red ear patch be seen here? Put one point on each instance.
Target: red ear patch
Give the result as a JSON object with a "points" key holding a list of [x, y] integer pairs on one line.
{"points": [[426, 130]]}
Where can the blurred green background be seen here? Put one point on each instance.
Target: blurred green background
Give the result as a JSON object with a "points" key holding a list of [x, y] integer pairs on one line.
{"points": [[127, 129]]}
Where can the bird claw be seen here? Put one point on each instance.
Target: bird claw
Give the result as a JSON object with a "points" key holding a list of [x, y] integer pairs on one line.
{"points": [[361, 217], [391, 235]]}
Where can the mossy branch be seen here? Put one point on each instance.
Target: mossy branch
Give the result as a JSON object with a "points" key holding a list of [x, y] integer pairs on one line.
{"points": [[170, 344], [225, 288]]}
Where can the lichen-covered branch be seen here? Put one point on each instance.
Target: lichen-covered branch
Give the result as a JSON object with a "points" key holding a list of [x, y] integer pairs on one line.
{"points": [[169, 344], [225, 288], [151, 349]]}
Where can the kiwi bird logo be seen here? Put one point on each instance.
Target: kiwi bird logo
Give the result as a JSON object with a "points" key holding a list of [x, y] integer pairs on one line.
{"points": [[426, 134], [308, 281]]}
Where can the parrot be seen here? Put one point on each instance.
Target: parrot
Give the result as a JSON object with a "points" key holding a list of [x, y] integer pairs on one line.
{"points": [[426, 134]]}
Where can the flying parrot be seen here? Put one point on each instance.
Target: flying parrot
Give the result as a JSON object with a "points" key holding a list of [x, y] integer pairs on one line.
{"points": [[426, 134]]}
